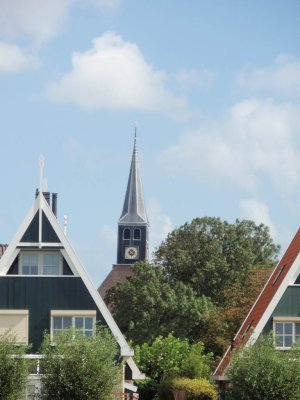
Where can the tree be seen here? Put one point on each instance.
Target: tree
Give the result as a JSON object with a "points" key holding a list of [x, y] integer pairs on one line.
{"points": [[210, 255], [148, 305], [13, 368], [167, 358], [262, 372], [78, 367]]}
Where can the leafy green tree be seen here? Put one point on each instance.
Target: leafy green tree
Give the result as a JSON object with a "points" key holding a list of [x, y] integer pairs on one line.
{"points": [[169, 356], [262, 372], [78, 367], [148, 305], [210, 254], [13, 370]]}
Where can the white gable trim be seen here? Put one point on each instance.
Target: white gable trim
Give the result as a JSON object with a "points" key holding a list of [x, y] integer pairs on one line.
{"points": [[290, 278], [136, 373], [71, 258]]}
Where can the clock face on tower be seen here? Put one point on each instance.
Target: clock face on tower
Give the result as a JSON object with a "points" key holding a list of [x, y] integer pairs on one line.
{"points": [[131, 252]]}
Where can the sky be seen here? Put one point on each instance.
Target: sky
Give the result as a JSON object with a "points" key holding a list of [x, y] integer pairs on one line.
{"points": [[212, 86]]}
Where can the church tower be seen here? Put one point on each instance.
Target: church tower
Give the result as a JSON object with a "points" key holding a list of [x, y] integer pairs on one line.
{"points": [[133, 224], [133, 229]]}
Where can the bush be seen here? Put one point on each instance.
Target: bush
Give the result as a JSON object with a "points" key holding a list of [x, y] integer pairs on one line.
{"points": [[13, 370], [263, 372], [79, 367], [196, 389]]}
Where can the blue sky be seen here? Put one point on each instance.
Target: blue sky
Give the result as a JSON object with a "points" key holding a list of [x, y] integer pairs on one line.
{"points": [[214, 86]]}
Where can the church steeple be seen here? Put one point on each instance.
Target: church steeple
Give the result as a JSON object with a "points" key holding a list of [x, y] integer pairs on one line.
{"points": [[133, 222]]}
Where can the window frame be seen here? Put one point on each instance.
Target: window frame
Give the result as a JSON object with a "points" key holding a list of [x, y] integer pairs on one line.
{"points": [[40, 262], [286, 320], [73, 314]]}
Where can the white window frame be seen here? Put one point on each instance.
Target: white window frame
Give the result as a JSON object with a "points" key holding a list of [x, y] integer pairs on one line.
{"points": [[73, 314], [15, 313], [283, 320], [40, 265]]}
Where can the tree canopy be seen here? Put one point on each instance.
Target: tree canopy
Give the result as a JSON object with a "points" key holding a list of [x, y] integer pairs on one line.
{"points": [[148, 305], [78, 367], [203, 281], [210, 254]]}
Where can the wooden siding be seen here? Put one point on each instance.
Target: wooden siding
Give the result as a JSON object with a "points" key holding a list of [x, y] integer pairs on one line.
{"points": [[32, 233], [40, 295], [288, 306]]}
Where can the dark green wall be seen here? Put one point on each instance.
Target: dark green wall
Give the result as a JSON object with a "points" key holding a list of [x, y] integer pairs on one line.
{"points": [[288, 306], [40, 295]]}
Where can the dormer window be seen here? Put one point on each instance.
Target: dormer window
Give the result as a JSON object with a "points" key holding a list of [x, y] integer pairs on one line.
{"points": [[126, 233], [40, 263], [137, 234]]}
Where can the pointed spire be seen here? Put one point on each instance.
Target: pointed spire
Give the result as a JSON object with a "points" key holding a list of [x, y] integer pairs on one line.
{"points": [[134, 210]]}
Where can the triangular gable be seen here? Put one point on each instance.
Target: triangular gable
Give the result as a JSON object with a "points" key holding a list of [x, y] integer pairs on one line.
{"points": [[41, 206], [285, 273]]}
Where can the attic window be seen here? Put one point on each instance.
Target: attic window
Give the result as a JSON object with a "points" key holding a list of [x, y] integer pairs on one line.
{"points": [[40, 263]]}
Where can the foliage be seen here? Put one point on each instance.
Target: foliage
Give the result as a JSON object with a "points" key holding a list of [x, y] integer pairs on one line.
{"points": [[210, 255], [148, 305], [78, 367], [168, 357], [13, 370], [196, 389], [148, 389], [239, 299], [262, 372]]}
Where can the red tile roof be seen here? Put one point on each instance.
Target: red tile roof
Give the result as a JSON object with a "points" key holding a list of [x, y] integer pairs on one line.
{"points": [[262, 302], [118, 274]]}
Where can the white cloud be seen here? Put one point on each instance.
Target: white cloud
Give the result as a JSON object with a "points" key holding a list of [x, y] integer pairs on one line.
{"points": [[13, 59], [40, 21], [252, 141], [160, 224], [283, 77], [257, 211], [113, 74], [30, 18]]}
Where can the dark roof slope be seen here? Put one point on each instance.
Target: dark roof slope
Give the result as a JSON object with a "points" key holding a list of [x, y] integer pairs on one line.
{"points": [[261, 304]]}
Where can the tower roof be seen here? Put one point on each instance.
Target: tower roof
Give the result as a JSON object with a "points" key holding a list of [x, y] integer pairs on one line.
{"points": [[134, 210]]}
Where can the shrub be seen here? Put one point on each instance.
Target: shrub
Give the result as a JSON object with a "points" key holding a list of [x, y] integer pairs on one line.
{"points": [[196, 389]]}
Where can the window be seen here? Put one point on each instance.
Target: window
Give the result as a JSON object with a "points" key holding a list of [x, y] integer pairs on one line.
{"points": [[17, 322], [126, 233], [137, 234], [30, 393], [81, 320], [30, 264], [286, 333], [40, 263]]}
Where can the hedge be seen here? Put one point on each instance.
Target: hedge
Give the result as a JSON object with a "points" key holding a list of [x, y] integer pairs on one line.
{"points": [[196, 389]]}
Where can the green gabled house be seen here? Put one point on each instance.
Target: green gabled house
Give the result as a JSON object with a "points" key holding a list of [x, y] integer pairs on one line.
{"points": [[44, 287]]}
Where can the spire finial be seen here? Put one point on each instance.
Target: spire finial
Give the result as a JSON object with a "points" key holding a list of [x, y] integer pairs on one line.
{"points": [[135, 133], [41, 167]]}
